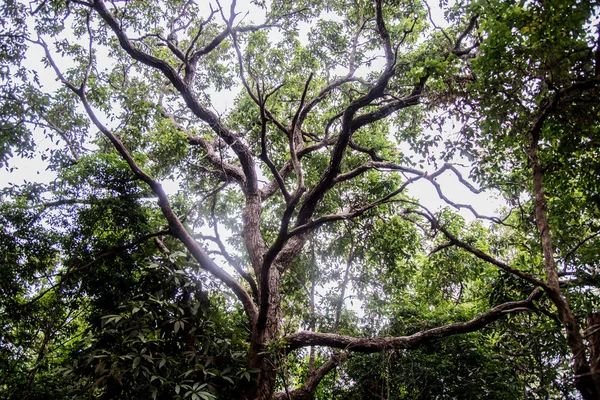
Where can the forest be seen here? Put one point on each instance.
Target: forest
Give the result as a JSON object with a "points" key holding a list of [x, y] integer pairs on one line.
{"points": [[298, 200]]}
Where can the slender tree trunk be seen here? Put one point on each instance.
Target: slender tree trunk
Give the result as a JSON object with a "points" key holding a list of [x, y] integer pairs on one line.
{"points": [[584, 380], [313, 320], [340, 303], [593, 337]]}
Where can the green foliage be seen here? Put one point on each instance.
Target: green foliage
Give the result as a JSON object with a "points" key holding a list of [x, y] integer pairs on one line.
{"points": [[100, 297]]}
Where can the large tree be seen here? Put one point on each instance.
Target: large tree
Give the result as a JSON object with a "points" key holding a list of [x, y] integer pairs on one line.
{"points": [[293, 132]]}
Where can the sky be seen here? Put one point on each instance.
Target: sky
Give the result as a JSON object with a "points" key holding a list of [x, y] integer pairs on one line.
{"points": [[35, 169]]}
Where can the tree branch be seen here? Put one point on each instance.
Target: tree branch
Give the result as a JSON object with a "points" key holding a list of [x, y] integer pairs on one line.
{"points": [[308, 388], [176, 228], [241, 150], [477, 252], [234, 263], [229, 170], [374, 345]]}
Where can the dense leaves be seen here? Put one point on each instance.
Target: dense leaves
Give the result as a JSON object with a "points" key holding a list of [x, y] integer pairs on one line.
{"points": [[228, 207]]}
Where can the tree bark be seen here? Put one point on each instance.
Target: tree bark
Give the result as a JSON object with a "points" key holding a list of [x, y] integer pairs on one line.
{"points": [[593, 337], [377, 344], [584, 379], [258, 357]]}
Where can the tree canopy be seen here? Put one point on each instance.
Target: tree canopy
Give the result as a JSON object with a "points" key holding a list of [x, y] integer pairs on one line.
{"points": [[228, 209]]}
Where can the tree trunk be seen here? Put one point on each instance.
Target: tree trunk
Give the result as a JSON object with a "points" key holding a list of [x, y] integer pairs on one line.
{"points": [[263, 383], [593, 336], [584, 381]]}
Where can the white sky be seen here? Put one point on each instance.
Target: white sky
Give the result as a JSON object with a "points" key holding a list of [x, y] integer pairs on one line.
{"points": [[35, 169]]}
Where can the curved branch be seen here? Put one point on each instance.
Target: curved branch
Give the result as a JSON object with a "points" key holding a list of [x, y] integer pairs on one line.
{"points": [[241, 150], [352, 213], [374, 345], [308, 388], [234, 263], [229, 170], [421, 175], [270, 188], [326, 181], [578, 245], [176, 227], [477, 252]]}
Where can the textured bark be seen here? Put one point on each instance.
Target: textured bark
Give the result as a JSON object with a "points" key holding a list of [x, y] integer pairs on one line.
{"points": [[593, 337], [584, 380], [258, 356], [374, 345]]}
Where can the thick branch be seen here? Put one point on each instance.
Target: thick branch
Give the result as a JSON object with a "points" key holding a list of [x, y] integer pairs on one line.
{"points": [[385, 36], [348, 127], [374, 345]]}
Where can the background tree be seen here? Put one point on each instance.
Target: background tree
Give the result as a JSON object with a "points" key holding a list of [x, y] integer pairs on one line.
{"points": [[292, 204]]}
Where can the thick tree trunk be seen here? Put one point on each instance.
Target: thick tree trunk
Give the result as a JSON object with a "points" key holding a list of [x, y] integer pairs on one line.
{"points": [[263, 383]]}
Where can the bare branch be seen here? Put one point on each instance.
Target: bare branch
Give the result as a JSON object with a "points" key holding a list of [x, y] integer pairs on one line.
{"points": [[386, 165], [350, 214], [310, 385], [270, 188], [264, 155], [190, 64], [441, 247], [435, 26], [295, 138], [370, 152], [234, 263], [229, 171], [385, 36], [578, 245], [338, 82], [90, 63], [349, 125], [468, 30], [64, 135]]}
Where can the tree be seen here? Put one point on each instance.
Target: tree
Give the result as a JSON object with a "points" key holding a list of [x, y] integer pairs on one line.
{"points": [[294, 199]]}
